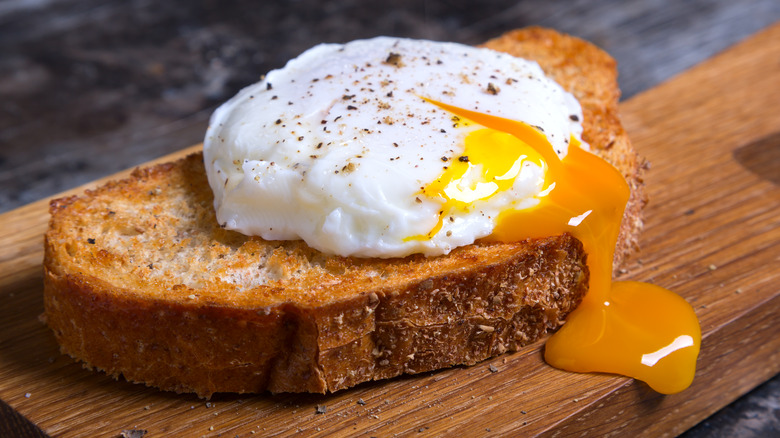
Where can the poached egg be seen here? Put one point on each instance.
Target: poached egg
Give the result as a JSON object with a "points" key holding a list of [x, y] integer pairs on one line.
{"points": [[345, 148]]}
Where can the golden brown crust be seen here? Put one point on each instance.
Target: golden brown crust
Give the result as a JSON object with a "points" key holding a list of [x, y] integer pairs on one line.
{"points": [[142, 282]]}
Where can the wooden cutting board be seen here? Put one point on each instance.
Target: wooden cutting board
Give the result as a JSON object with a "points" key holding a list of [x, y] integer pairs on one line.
{"points": [[712, 135]]}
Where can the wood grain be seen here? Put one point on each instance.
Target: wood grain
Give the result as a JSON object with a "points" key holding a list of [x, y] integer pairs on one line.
{"points": [[712, 235]]}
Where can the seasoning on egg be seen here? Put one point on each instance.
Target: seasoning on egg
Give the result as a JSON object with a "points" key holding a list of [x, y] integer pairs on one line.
{"points": [[394, 59]]}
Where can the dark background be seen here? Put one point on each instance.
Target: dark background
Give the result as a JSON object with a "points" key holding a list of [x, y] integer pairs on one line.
{"points": [[90, 87]]}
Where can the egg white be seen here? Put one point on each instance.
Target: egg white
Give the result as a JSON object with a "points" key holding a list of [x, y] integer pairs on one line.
{"points": [[336, 147]]}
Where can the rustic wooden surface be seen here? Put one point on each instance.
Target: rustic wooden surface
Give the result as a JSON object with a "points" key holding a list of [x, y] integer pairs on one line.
{"points": [[713, 235], [89, 87]]}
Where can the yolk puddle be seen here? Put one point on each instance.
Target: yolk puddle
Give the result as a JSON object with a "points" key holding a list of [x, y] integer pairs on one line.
{"points": [[630, 328]]}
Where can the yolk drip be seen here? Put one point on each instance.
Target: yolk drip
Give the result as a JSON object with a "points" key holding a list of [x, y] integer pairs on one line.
{"points": [[631, 328]]}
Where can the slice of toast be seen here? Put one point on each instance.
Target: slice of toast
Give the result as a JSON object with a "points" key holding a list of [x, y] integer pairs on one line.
{"points": [[141, 281]]}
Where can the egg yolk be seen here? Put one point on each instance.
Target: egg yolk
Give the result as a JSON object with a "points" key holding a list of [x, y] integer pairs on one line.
{"points": [[630, 328], [490, 162]]}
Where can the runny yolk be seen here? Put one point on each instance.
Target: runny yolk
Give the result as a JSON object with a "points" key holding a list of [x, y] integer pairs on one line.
{"points": [[630, 328], [490, 162]]}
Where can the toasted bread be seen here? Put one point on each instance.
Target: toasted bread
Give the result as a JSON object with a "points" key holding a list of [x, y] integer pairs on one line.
{"points": [[141, 281]]}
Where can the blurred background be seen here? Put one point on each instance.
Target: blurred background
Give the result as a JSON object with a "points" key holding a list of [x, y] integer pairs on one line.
{"points": [[91, 87]]}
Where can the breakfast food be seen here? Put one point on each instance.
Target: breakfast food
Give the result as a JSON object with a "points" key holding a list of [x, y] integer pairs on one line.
{"points": [[144, 280], [341, 149]]}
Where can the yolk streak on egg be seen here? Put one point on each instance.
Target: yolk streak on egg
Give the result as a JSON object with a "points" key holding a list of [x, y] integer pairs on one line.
{"points": [[490, 162], [624, 327]]}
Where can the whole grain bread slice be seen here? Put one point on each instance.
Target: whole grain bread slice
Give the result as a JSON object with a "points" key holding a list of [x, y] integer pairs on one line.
{"points": [[140, 280]]}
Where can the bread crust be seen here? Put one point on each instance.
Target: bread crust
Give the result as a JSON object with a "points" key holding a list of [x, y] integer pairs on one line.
{"points": [[140, 280]]}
